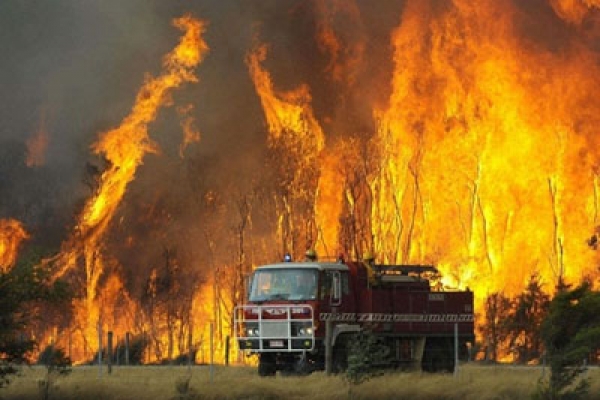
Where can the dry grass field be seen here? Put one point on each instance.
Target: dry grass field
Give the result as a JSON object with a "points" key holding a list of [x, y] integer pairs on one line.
{"points": [[168, 382]]}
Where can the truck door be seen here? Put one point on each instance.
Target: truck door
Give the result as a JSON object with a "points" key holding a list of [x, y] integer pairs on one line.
{"points": [[335, 291]]}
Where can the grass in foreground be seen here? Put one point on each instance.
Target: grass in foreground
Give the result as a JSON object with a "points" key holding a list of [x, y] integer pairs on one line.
{"points": [[473, 382]]}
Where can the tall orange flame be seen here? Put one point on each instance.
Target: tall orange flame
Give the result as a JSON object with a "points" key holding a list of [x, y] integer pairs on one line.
{"points": [[293, 127], [12, 235], [486, 165], [124, 148], [485, 155], [286, 112]]}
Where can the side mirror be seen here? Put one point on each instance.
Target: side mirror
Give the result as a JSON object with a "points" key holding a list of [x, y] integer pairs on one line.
{"points": [[336, 290]]}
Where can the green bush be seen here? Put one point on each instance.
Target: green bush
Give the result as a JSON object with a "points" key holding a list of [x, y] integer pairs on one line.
{"points": [[365, 355], [570, 332]]}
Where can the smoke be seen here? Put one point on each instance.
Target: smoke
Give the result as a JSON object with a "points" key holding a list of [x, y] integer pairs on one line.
{"points": [[78, 66], [80, 63]]}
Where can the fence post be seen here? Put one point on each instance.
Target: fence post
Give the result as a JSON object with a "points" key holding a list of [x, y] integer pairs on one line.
{"points": [[212, 353], [99, 349], [190, 348], [543, 365], [227, 350], [70, 346], [455, 349], [109, 352]]}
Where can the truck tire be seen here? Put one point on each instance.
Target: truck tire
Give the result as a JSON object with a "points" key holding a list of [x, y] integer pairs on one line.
{"points": [[267, 365]]}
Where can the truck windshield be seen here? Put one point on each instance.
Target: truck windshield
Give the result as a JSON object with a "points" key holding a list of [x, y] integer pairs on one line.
{"points": [[284, 284]]}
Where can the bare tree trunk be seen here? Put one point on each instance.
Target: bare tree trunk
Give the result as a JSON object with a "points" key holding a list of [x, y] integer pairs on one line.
{"points": [[416, 203], [244, 206], [216, 310], [556, 259], [170, 337], [398, 208], [484, 233], [473, 212], [596, 184]]}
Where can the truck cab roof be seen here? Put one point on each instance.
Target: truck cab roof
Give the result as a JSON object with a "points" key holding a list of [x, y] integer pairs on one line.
{"points": [[321, 266]]}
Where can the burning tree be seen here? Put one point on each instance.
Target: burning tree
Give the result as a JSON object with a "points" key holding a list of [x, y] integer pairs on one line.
{"points": [[167, 305], [530, 308], [295, 140], [510, 329], [26, 294], [494, 332], [12, 234], [123, 148]]}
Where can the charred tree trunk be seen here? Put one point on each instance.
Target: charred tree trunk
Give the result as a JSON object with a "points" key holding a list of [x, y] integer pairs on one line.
{"points": [[556, 259]]}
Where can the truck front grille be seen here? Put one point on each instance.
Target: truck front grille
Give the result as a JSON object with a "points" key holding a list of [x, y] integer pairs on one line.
{"points": [[274, 329], [291, 331]]}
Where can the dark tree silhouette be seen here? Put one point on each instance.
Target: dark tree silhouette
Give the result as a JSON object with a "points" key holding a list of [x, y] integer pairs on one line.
{"points": [[22, 289], [570, 332]]}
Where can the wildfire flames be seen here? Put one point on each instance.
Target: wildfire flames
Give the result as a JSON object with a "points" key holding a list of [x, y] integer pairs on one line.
{"points": [[12, 235], [124, 148], [486, 165], [473, 147], [488, 149]]}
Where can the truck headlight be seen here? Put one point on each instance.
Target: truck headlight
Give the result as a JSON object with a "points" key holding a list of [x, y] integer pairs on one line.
{"points": [[252, 331], [305, 331]]}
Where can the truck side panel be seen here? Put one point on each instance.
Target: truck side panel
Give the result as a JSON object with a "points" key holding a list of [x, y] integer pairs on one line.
{"points": [[411, 309]]}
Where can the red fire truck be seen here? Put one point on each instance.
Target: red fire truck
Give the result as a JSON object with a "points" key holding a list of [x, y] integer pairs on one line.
{"points": [[299, 313]]}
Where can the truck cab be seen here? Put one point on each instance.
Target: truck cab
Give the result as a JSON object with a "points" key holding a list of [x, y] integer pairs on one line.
{"points": [[298, 315], [280, 320]]}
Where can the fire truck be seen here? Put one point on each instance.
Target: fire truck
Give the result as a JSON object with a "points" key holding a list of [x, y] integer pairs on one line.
{"points": [[303, 316]]}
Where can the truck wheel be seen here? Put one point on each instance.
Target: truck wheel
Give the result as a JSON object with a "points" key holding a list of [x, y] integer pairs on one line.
{"points": [[267, 365]]}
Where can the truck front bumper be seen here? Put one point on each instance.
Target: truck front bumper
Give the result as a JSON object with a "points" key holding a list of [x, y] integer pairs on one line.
{"points": [[276, 345]]}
